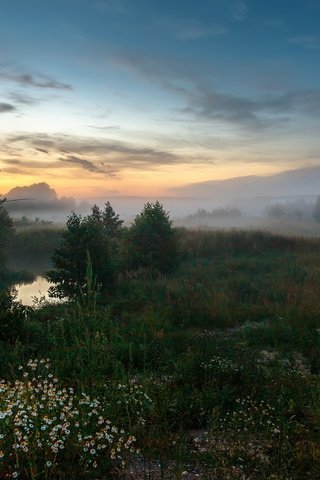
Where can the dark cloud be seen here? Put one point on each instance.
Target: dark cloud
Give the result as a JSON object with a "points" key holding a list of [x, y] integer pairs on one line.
{"points": [[86, 165], [261, 111], [42, 150], [22, 99], [38, 81], [6, 107], [201, 101], [100, 155], [27, 164]]}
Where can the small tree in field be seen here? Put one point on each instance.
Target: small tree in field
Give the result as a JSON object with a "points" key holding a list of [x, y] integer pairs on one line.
{"points": [[89, 239], [152, 241], [6, 230], [316, 210]]}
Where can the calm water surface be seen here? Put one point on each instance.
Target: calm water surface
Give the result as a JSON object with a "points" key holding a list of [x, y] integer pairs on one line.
{"points": [[38, 288]]}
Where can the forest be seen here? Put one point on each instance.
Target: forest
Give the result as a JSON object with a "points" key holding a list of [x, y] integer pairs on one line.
{"points": [[165, 353]]}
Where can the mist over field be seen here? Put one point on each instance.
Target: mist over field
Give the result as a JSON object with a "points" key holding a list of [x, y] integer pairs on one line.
{"points": [[282, 202]]}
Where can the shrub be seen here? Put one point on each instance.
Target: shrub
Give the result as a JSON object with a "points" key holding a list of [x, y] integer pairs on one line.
{"points": [[93, 238], [12, 315], [152, 241]]}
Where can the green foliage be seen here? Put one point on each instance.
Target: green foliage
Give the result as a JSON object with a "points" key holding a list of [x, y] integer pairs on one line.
{"points": [[214, 369], [316, 210], [12, 316], [152, 242], [6, 230], [92, 236], [31, 248]]}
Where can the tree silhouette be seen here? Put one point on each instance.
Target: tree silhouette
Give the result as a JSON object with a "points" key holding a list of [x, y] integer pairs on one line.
{"points": [[152, 241], [89, 238], [316, 210], [6, 230]]}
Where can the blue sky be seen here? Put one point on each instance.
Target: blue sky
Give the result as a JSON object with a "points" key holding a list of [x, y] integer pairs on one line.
{"points": [[140, 97]]}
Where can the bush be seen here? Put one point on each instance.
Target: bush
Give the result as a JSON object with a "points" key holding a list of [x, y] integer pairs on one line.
{"points": [[12, 316], [88, 240], [152, 242]]}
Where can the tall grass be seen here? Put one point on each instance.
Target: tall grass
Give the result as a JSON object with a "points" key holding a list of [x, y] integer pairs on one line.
{"points": [[214, 369]]}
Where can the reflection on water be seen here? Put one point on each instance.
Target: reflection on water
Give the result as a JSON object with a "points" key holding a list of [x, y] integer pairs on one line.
{"points": [[38, 288]]}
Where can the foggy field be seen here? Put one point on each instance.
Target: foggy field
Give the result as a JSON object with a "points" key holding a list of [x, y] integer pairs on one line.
{"points": [[212, 369]]}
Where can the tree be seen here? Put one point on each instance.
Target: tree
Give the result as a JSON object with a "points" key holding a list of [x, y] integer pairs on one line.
{"points": [[12, 315], [85, 240], [152, 241], [316, 210], [276, 211], [6, 230]]}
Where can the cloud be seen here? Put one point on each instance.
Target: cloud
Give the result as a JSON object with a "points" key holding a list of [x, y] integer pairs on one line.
{"points": [[261, 111], [27, 164], [23, 99], [38, 80], [92, 154], [308, 41], [240, 11], [86, 165], [170, 74], [6, 107], [42, 150], [106, 127]]}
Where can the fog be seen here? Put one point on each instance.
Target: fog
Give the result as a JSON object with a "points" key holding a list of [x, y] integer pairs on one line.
{"points": [[282, 202]]}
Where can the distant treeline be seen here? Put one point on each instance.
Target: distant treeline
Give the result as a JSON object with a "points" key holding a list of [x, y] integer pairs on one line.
{"points": [[298, 209], [31, 248], [30, 205], [226, 212]]}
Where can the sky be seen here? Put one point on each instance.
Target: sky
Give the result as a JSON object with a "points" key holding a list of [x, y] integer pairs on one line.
{"points": [[102, 98]]}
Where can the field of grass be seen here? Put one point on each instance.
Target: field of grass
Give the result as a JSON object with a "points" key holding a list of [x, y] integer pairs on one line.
{"points": [[212, 372]]}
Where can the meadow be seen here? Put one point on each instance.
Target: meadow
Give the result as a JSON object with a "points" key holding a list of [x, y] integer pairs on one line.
{"points": [[210, 372]]}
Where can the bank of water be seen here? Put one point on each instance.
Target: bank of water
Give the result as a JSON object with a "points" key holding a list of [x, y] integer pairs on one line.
{"points": [[28, 291]]}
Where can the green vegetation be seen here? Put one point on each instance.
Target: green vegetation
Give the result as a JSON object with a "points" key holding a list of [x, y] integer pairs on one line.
{"points": [[32, 247], [212, 370], [6, 228], [316, 210], [91, 238], [151, 240]]}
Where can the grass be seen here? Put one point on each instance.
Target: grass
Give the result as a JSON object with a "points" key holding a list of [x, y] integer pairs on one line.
{"points": [[214, 369]]}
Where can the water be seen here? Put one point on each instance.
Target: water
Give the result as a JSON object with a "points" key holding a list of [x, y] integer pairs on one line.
{"points": [[38, 288]]}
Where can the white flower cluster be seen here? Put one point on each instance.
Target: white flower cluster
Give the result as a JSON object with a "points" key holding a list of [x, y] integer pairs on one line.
{"points": [[134, 400], [41, 423], [251, 416], [221, 365]]}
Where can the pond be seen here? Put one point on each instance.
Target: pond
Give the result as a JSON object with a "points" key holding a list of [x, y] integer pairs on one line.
{"points": [[38, 288]]}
